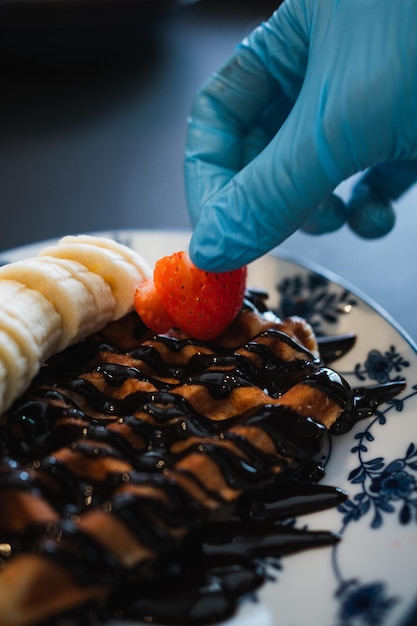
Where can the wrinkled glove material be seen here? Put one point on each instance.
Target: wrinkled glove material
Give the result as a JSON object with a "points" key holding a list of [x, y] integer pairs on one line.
{"points": [[322, 90]]}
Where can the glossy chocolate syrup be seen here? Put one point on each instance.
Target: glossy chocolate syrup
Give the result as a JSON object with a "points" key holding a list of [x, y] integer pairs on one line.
{"points": [[228, 553]]}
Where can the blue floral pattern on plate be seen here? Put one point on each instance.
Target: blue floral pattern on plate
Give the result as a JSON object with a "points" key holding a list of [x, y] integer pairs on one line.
{"points": [[310, 296], [387, 487], [364, 604]]}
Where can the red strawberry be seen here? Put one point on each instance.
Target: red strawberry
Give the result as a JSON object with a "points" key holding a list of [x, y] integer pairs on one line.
{"points": [[149, 306], [200, 303]]}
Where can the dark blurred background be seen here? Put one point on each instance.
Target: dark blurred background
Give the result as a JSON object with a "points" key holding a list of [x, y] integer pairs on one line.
{"points": [[93, 107]]}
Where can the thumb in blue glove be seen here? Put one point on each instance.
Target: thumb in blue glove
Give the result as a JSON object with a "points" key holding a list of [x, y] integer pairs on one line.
{"points": [[320, 91]]}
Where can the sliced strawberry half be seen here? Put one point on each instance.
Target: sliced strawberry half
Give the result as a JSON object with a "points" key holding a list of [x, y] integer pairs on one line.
{"points": [[200, 303], [149, 307]]}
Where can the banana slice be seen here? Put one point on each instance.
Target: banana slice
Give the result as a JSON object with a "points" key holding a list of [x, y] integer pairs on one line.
{"points": [[104, 302], [3, 381], [14, 370], [121, 268], [70, 297], [37, 324], [23, 338], [65, 293], [130, 255]]}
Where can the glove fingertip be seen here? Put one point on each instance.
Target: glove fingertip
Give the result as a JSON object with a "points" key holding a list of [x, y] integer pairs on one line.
{"points": [[203, 256], [370, 215]]}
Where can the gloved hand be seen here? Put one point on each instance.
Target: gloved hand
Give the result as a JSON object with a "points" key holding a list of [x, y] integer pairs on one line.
{"points": [[324, 89]]}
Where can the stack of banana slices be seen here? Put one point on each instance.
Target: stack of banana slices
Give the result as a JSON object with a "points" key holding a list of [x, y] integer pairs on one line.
{"points": [[59, 297]]}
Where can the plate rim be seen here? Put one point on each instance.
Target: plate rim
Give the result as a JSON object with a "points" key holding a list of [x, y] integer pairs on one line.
{"points": [[407, 619]]}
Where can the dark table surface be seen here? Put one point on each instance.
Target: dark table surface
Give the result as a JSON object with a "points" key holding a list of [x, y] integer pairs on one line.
{"points": [[93, 135]]}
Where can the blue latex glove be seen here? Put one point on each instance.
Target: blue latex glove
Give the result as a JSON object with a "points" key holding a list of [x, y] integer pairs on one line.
{"points": [[324, 89], [369, 212]]}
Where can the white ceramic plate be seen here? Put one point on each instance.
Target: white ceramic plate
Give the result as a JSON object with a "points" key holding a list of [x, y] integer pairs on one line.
{"points": [[370, 577]]}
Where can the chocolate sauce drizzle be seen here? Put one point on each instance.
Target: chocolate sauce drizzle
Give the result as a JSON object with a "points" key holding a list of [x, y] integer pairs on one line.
{"points": [[227, 554]]}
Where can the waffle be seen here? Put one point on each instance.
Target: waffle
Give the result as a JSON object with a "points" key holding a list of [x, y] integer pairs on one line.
{"points": [[126, 442]]}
